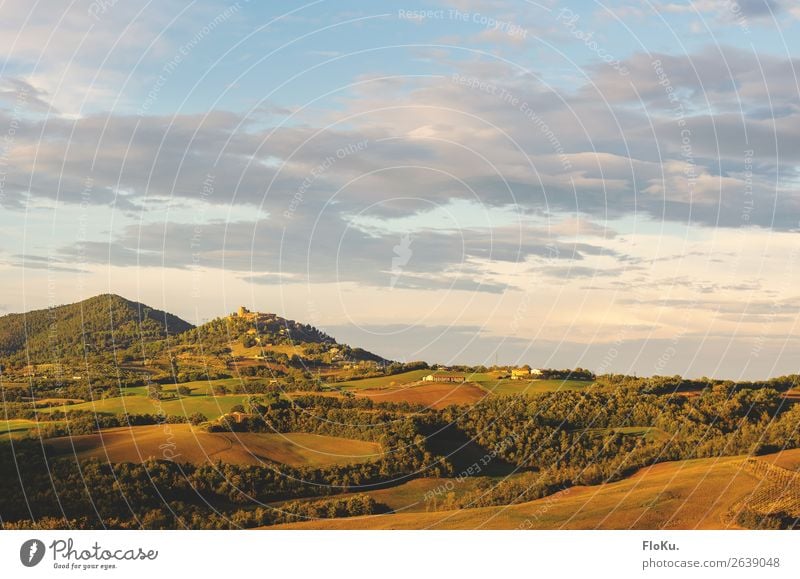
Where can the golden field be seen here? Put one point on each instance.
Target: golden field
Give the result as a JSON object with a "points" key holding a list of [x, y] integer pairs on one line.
{"points": [[183, 443], [691, 494]]}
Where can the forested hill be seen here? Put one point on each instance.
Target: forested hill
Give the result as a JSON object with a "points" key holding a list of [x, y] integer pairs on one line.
{"points": [[111, 330], [266, 331], [270, 327], [98, 324]]}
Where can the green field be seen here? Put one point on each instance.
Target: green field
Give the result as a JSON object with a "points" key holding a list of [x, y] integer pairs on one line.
{"points": [[506, 387], [19, 428], [203, 387], [135, 400], [198, 387], [15, 428], [386, 381], [134, 403]]}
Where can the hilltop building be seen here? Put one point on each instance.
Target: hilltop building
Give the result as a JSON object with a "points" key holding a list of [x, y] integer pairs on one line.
{"points": [[246, 314]]}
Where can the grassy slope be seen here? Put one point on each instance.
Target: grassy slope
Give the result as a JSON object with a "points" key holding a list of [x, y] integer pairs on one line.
{"points": [[413, 496], [788, 459], [135, 401], [18, 428], [197, 446], [679, 495], [211, 406], [386, 381], [201, 387]]}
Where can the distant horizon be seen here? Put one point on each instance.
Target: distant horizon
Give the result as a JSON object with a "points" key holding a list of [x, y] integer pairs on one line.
{"points": [[337, 331]]}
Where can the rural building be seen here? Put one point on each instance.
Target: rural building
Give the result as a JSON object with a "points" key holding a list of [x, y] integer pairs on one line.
{"points": [[536, 372], [444, 378], [520, 373]]}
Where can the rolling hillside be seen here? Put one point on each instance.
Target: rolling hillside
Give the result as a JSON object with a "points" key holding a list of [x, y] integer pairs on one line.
{"points": [[252, 406], [194, 445], [691, 494]]}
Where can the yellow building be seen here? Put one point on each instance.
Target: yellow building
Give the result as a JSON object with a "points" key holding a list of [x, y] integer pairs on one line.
{"points": [[520, 373]]}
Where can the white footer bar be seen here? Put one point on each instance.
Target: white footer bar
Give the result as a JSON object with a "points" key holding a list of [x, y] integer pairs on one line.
{"points": [[399, 554]]}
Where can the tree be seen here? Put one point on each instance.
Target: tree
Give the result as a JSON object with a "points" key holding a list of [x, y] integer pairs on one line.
{"points": [[184, 391], [155, 391], [197, 418], [274, 400], [254, 405]]}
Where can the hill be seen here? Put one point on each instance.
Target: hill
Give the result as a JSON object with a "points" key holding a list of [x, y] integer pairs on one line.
{"points": [[690, 494], [99, 325], [92, 349], [271, 337]]}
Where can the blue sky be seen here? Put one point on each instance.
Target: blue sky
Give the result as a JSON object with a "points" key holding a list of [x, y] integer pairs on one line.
{"points": [[607, 185], [281, 42]]}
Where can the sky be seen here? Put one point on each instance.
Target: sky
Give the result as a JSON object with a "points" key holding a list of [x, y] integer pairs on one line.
{"points": [[611, 186]]}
